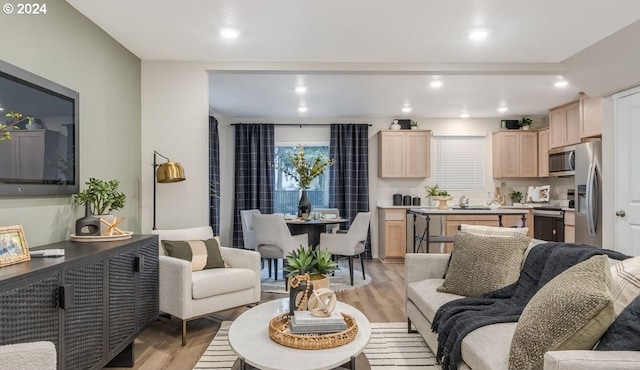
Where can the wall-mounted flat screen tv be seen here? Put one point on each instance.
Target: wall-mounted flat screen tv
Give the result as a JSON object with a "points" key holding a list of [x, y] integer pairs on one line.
{"points": [[38, 135]]}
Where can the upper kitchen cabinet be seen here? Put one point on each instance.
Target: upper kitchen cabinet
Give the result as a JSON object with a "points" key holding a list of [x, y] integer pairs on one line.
{"points": [[543, 153], [404, 153], [564, 125], [515, 154], [591, 118]]}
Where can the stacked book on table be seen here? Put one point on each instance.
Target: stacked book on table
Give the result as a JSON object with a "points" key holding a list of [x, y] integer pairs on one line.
{"points": [[303, 322]]}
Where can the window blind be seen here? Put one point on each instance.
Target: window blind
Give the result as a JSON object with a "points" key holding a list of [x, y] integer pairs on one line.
{"points": [[459, 162]]}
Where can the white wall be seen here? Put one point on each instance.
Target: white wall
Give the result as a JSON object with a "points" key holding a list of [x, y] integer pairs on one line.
{"points": [[65, 47]]}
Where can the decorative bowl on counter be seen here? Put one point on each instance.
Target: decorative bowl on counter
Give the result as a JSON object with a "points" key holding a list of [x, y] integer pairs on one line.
{"points": [[442, 201]]}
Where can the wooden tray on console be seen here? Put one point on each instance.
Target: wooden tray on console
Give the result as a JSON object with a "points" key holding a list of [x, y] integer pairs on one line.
{"points": [[99, 238]]}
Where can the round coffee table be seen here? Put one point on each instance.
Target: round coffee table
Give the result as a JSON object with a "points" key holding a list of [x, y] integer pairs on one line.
{"points": [[249, 339]]}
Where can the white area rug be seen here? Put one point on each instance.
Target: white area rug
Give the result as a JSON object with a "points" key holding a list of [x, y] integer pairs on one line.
{"points": [[338, 282], [390, 347]]}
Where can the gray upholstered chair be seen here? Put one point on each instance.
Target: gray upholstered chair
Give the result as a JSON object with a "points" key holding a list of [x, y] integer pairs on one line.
{"points": [[248, 234], [28, 356], [352, 243], [188, 294], [275, 240]]}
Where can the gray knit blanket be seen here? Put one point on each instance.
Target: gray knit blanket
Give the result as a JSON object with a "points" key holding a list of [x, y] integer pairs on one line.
{"points": [[455, 319]]}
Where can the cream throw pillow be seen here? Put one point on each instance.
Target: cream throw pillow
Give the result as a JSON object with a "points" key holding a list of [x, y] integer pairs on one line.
{"points": [[626, 282], [571, 311], [482, 264], [494, 231]]}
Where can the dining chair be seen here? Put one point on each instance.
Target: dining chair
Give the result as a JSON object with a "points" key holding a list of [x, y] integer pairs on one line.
{"points": [[248, 233], [274, 240], [349, 244]]}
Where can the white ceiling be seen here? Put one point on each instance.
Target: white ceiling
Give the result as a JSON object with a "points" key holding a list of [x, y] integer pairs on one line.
{"points": [[368, 58]]}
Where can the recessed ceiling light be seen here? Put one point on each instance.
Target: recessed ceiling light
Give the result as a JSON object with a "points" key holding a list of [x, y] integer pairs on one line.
{"points": [[301, 89], [406, 109], [436, 83], [464, 115], [502, 109], [561, 83], [478, 34], [229, 33], [302, 109]]}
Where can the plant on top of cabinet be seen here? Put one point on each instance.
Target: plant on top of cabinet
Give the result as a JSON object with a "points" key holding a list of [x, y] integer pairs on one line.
{"points": [[525, 122]]}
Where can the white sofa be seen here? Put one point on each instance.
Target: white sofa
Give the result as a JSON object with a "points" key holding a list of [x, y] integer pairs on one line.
{"points": [[487, 347]]}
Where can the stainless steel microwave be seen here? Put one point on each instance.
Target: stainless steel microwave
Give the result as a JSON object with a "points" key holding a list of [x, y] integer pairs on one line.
{"points": [[562, 161]]}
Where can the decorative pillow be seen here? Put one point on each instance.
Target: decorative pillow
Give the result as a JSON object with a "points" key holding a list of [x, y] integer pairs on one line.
{"points": [[203, 254], [624, 333], [494, 231], [482, 264], [571, 311], [626, 282]]}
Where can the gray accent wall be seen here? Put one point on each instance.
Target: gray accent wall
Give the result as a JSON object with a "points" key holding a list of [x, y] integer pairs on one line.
{"points": [[67, 48]]}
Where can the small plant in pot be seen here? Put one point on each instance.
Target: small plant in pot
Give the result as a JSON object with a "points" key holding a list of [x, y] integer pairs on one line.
{"points": [[516, 196], [525, 122], [103, 197], [317, 262]]}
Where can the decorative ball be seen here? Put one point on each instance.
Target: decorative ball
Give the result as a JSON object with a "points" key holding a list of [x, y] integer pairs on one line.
{"points": [[322, 302]]}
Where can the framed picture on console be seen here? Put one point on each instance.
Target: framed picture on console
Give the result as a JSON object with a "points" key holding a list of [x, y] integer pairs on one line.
{"points": [[13, 246]]}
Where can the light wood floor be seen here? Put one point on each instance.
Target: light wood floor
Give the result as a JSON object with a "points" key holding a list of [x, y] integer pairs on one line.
{"points": [[159, 346]]}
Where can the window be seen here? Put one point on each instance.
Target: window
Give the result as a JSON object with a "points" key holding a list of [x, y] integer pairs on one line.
{"points": [[459, 162], [286, 193]]}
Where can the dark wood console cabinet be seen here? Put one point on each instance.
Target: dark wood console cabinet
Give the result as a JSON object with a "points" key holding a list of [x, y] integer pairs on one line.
{"points": [[91, 303]]}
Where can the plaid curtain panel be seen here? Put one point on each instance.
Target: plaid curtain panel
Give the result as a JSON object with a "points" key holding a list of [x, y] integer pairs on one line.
{"points": [[254, 177], [349, 176], [214, 176]]}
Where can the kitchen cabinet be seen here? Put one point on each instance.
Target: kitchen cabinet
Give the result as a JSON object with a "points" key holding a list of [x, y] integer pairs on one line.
{"points": [[404, 153], [569, 226], [393, 233], [591, 117], [543, 153], [564, 125], [515, 153]]}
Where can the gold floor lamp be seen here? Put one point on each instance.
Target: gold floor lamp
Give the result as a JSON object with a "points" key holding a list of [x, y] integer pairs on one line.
{"points": [[164, 173]]}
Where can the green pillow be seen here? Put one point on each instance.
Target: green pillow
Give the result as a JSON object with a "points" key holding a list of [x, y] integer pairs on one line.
{"points": [[571, 311], [481, 264], [203, 254]]}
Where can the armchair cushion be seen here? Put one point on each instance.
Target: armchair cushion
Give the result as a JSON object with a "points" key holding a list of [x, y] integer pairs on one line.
{"points": [[209, 283], [203, 254]]}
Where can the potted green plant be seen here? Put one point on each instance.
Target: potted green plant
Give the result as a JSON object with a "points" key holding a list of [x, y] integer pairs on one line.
{"points": [[317, 262], [16, 118], [442, 196], [525, 122], [515, 196], [102, 196]]}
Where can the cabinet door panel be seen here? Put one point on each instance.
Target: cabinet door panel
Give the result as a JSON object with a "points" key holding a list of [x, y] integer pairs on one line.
{"points": [[392, 154], [557, 128], [29, 313], [84, 325], [147, 296], [543, 153], [591, 124], [528, 154], [395, 238], [418, 154], [573, 124], [122, 298]]}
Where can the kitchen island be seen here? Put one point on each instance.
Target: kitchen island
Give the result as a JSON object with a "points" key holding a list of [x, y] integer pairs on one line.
{"points": [[424, 237]]}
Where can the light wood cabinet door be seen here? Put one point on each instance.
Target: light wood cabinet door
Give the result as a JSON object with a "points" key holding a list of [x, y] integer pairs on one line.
{"points": [[564, 125], [591, 122], [515, 154], [392, 228], [543, 153], [405, 153]]}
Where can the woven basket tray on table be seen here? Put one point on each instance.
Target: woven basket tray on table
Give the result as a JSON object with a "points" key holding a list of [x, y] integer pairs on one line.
{"points": [[279, 333]]}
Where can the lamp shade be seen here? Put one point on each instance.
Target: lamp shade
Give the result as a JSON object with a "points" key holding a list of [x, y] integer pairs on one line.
{"points": [[170, 172]]}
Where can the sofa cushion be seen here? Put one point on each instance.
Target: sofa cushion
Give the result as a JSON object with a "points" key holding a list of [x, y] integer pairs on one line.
{"points": [[425, 296], [571, 311], [482, 264], [626, 282], [488, 347], [212, 282], [203, 254], [624, 333]]}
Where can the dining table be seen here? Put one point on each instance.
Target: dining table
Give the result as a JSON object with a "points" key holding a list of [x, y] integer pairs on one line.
{"points": [[312, 227]]}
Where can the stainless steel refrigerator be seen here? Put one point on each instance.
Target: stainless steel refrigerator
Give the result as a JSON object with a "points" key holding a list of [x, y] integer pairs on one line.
{"points": [[588, 185]]}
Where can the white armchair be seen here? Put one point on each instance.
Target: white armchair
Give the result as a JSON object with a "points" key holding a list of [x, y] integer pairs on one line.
{"points": [[274, 238], [248, 233], [189, 295], [352, 243], [28, 356]]}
